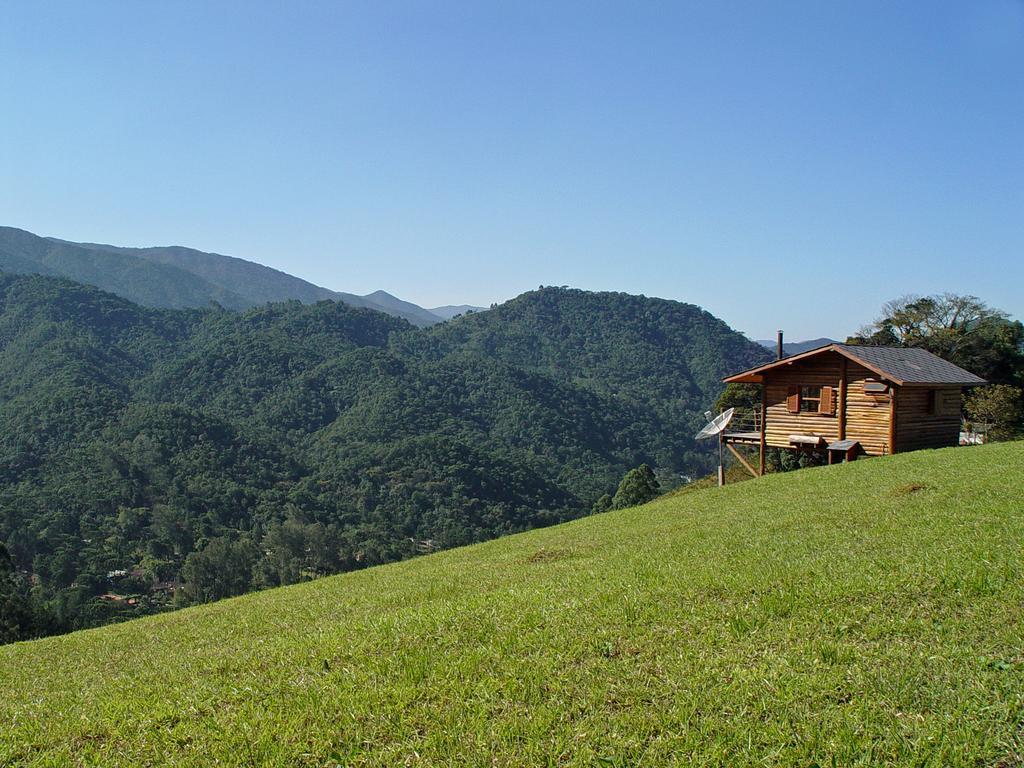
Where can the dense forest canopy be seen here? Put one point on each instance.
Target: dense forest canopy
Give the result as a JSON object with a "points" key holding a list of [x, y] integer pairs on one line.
{"points": [[155, 457]]}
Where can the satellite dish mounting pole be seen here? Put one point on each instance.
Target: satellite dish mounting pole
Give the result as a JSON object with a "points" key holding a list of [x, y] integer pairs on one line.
{"points": [[721, 460]]}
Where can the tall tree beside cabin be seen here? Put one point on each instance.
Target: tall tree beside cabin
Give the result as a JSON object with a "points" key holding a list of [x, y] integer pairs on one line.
{"points": [[961, 329], [997, 411]]}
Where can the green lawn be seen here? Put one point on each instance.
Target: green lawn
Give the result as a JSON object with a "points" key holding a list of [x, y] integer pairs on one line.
{"points": [[867, 614]]}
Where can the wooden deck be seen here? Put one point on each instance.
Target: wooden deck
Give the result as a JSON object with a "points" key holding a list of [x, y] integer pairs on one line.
{"points": [[742, 438]]}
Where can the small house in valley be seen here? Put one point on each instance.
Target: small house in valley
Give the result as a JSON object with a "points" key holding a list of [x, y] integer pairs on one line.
{"points": [[851, 400]]}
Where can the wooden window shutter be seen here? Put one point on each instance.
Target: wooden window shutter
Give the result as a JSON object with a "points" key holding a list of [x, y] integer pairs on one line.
{"points": [[826, 406], [793, 401]]}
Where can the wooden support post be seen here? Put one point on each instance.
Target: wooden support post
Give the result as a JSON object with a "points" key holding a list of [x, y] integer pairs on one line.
{"points": [[842, 398], [892, 418], [764, 424], [742, 461]]}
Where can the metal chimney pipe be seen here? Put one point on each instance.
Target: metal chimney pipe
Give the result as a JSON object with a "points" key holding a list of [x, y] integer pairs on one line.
{"points": [[778, 348]]}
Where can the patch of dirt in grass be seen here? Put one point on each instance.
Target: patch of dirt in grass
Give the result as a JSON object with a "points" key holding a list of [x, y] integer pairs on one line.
{"points": [[1009, 762], [546, 555], [908, 488]]}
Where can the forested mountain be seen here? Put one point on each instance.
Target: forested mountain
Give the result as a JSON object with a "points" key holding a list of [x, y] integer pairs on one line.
{"points": [[663, 359], [219, 451], [176, 277]]}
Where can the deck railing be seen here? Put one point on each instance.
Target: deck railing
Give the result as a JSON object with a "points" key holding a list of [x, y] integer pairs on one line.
{"points": [[745, 420]]}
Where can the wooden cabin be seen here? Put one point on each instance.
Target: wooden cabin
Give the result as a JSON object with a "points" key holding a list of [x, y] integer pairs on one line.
{"points": [[853, 400]]}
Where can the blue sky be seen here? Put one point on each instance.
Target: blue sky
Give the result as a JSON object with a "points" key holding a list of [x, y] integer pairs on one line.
{"points": [[785, 165]]}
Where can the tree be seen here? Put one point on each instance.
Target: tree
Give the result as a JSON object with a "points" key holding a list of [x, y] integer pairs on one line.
{"points": [[999, 407], [223, 568], [961, 329], [638, 486], [603, 504], [17, 620], [910, 319], [742, 397]]}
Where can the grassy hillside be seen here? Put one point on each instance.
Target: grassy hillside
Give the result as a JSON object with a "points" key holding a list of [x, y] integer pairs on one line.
{"points": [[866, 614]]}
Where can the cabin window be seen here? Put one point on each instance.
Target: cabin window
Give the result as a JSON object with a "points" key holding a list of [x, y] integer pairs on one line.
{"points": [[930, 406], [810, 399]]}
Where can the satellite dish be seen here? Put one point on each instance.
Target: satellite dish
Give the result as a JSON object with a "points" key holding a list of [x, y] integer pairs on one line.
{"points": [[715, 425]]}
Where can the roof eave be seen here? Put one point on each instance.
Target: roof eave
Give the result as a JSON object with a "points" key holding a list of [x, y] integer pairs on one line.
{"points": [[744, 378], [747, 376], [755, 375], [977, 383]]}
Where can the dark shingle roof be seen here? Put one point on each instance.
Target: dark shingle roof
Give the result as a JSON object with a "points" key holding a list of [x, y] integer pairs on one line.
{"points": [[902, 365], [911, 365]]}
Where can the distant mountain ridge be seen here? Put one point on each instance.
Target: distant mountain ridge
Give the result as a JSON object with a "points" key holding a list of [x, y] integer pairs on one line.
{"points": [[415, 314], [796, 347], [449, 311], [176, 277]]}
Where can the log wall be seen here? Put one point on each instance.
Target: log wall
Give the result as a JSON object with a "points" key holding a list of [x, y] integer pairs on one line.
{"points": [[819, 371], [918, 428], [868, 416]]}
